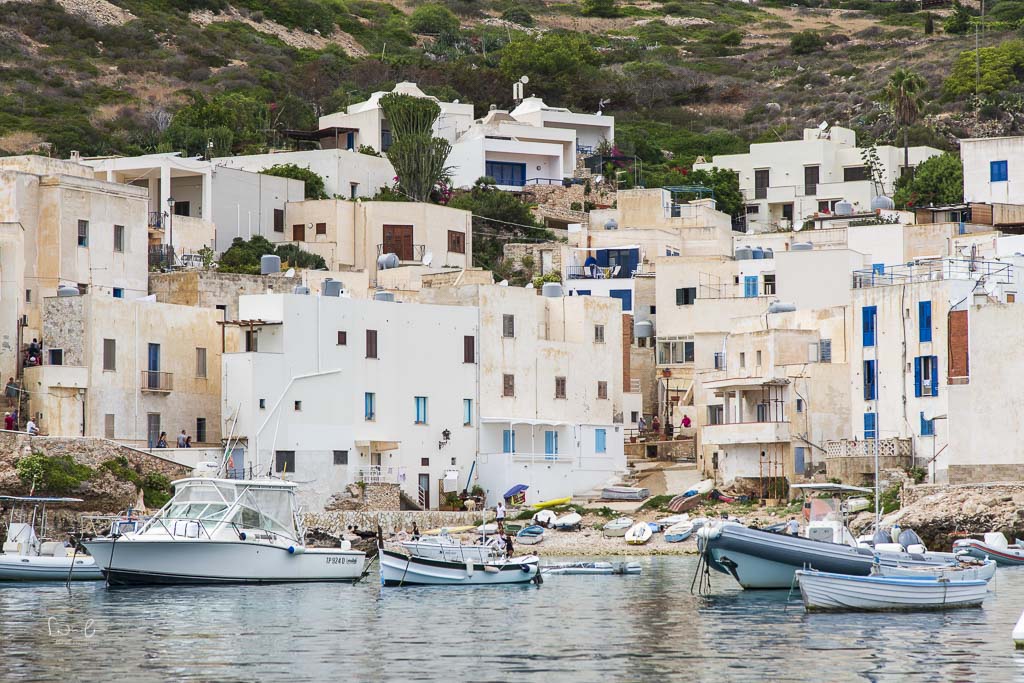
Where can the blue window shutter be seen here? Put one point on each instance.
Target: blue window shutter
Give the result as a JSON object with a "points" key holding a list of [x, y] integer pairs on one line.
{"points": [[870, 391], [917, 376], [868, 315], [749, 286], [869, 426], [878, 268], [556, 441], [798, 459], [927, 426], [508, 439], [924, 320], [998, 171], [935, 375], [600, 441]]}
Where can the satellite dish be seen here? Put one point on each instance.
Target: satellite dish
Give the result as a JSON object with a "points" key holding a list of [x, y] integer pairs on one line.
{"points": [[529, 285], [290, 273], [455, 101], [503, 283], [524, 80], [798, 226], [823, 126], [427, 258]]}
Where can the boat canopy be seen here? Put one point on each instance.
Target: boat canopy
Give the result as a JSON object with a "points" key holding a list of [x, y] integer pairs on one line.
{"points": [[246, 504]]}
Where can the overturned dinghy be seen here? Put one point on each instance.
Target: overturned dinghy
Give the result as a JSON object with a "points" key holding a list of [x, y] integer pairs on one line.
{"points": [[840, 592], [613, 568], [399, 569]]}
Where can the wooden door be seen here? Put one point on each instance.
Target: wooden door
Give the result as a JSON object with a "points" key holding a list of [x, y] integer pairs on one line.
{"points": [[299, 232], [398, 240]]}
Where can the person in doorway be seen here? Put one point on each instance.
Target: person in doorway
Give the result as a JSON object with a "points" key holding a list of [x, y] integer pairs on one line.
{"points": [[11, 392], [162, 441], [656, 425], [8, 422], [793, 527], [641, 424], [31, 428], [182, 439]]}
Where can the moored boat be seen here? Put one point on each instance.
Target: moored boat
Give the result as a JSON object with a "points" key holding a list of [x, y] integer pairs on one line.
{"points": [[983, 571], [994, 546], [445, 547], [679, 532], [840, 592], [639, 533], [28, 556], [614, 568], [568, 522], [223, 531], [618, 527], [399, 569], [531, 535]]}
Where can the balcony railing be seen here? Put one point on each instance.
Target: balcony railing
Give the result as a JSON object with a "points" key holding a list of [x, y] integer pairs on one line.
{"points": [[934, 269], [865, 448], [414, 252], [372, 475], [161, 382], [161, 256], [596, 273], [746, 432]]}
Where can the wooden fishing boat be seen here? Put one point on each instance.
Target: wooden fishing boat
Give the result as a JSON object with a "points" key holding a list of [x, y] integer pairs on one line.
{"points": [[842, 592]]}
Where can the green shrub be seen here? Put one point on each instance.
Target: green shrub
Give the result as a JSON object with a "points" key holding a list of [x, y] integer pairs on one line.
{"points": [[518, 15], [731, 38], [657, 502], [806, 42], [57, 475], [156, 490], [433, 19], [314, 183], [600, 8], [959, 21], [988, 70]]}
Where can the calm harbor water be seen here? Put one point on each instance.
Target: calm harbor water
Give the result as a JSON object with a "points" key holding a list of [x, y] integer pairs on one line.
{"points": [[573, 628]]}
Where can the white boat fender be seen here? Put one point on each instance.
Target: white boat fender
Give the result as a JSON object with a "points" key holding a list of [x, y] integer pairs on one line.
{"points": [[916, 549], [491, 570], [469, 568], [296, 549]]}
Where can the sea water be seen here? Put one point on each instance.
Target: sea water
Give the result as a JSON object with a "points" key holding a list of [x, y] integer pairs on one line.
{"points": [[572, 628]]}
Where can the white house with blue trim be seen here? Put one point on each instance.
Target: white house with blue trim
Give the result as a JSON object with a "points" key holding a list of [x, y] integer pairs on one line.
{"points": [[993, 170]]}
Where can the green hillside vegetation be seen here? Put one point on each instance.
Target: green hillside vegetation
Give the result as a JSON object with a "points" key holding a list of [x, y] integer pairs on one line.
{"points": [[684, 78]]}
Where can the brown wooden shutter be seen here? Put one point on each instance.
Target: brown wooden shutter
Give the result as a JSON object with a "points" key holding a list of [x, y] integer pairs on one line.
{"points": [[510, 385], [469, 349], [371, 343], [278, 220]]}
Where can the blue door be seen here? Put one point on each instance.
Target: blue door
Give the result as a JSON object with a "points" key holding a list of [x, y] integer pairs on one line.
{"points": [[625, 296], [350, 141], [551, 444], [153, 365], [798, 459]]}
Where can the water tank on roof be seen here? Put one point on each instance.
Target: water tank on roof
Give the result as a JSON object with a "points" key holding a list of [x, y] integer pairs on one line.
{"points": [[844, 208], [552, 289], [769, 252], [882, 203], [270, 264], [611, 224], [757, 253], [384, 296], [67, 290], [644, 329], [801, 246], [300, 289], [330, 287], [781, 307], [385, 261], [744, 253]]}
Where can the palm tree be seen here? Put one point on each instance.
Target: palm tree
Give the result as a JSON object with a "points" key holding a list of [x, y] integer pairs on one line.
{"points": [[905, 95]]}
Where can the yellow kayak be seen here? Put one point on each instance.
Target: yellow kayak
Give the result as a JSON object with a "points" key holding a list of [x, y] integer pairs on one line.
{"points": [[552, 503]]}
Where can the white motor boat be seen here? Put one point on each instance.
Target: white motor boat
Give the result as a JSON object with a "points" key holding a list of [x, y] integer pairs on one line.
{"points": [[26, 557], [581, 568], [983, 571], [679, 532], [842, 592], [224, 531], [639, 533], [618, 526], [445, 547], [568, 522], [399, 569]]}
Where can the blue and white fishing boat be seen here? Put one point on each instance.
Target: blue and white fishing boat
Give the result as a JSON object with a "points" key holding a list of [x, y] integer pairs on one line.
{"points": [[530, 535], [841, 592], [679, 532], [961, 571], [399, 569], [994, 546]]}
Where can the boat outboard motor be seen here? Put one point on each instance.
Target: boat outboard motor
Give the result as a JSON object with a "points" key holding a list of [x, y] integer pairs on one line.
{"points": [[881, 537], [909, 539]]}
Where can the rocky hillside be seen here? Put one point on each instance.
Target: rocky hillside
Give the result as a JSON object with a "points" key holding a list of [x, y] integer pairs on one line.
{"points": [[683, 77]]}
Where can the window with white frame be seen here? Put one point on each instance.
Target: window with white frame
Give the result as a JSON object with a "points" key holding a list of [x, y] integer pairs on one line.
{"points": [[676, 351]]}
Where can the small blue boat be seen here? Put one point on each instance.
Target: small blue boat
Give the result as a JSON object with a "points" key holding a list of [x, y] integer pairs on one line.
{"points": [[531, 535], [679, 532]]}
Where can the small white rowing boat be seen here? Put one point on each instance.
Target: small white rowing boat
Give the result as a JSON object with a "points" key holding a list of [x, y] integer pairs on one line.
{"points": [[617, 568], [398, 569], [639, 534], [842, 592], [568, 522], [618, 526], [679, 532], [982, 571]]}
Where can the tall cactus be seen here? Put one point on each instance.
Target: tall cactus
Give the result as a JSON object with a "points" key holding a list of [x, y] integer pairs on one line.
{"points": [[418, 157]]}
